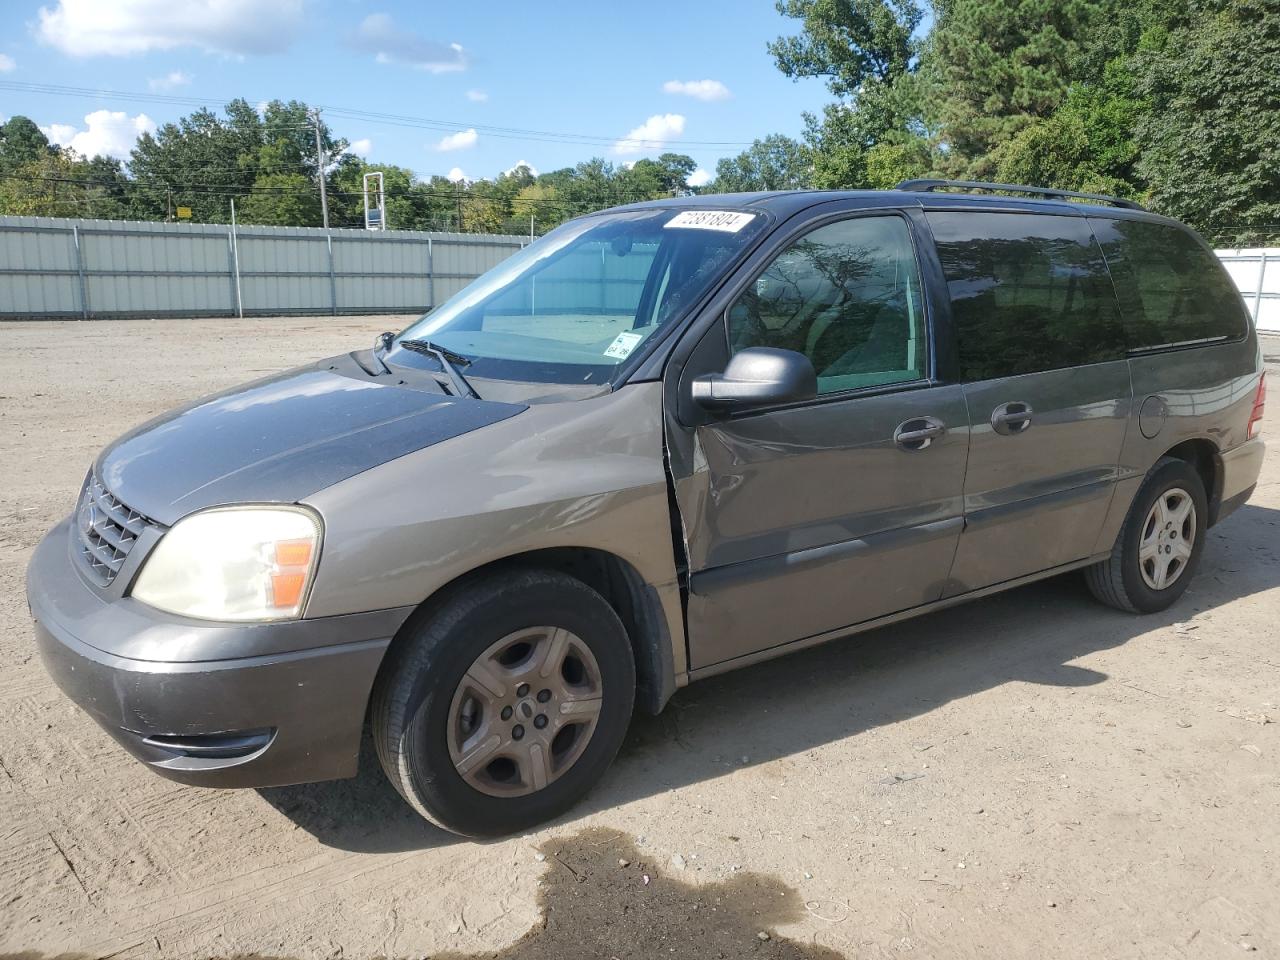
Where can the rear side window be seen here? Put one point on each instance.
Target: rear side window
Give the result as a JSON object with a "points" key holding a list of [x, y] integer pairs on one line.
{"points": [[1028, 293], [1172, 290]]}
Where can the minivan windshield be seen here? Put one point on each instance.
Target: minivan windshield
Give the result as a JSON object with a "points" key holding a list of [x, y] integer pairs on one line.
{"points": [[573, 306]]}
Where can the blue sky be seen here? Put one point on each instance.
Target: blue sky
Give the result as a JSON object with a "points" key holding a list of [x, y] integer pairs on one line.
{"points": [[690, 76]]}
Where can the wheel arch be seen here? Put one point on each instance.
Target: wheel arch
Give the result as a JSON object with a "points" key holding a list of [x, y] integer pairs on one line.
{"points": [[1203, 454], [635, 601]]}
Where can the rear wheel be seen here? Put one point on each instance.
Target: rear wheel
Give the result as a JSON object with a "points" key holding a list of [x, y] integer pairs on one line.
{"points": [[1159, 546], [506, 706]]}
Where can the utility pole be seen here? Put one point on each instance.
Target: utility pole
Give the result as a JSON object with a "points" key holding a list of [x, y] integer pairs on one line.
{"points": [[320, 165]]}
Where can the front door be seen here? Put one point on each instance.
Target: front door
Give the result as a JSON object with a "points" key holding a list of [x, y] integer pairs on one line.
{"points": [[1041, 355], [810, 518]]}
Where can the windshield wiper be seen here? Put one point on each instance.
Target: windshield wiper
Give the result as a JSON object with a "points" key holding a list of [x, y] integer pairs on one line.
{"points": [[381, 346], [449, 362]]}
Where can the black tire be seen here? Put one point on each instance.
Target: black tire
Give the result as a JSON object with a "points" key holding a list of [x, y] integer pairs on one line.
{"points": [[1118, 580], [412, 699]]}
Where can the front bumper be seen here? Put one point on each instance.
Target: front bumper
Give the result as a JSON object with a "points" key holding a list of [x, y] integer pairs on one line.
{"points": [[244, 705]]}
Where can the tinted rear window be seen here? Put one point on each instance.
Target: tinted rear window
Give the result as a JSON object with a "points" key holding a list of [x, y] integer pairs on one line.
{"points": [[1028, 293], [1172, 290]]}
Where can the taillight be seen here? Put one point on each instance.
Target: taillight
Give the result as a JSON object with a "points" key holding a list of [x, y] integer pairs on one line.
{"points": [[1259, 405]]}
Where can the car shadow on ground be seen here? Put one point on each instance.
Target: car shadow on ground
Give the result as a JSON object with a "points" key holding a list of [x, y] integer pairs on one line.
{"points": [[842, 689]]}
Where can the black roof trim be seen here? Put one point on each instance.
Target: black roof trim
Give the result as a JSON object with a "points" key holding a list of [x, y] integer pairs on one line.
{"points": [[928, 186]]}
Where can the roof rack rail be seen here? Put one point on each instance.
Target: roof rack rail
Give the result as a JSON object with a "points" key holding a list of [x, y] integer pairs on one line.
{"points": [[928, 186]]}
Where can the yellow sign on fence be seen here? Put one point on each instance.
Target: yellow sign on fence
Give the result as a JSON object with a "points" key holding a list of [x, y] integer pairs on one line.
{"points": [[184, 213]]}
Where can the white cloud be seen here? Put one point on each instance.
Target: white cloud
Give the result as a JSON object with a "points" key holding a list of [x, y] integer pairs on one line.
{"points": [[7, 64], [108, 133], [170, 81], [379, 35], [477, 96], [517, 165], [699, 178], [456, 175], [698, 89], [60, 133], [361, 148], [461, 140], [654, 134], [86, 28]]}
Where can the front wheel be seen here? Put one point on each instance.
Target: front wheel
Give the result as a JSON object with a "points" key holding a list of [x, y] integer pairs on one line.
{"points": [[1159, 545], [506, 706]]}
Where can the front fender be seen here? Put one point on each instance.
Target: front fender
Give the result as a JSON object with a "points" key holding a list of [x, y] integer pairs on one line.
{"points": [[586, 474]]}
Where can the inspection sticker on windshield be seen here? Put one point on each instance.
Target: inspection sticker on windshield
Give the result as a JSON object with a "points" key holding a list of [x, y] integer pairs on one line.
{"points": [[623, 344], [721, 220]]}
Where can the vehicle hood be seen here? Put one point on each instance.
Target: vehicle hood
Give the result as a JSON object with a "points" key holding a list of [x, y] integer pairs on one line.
{"points": [[281, 439]]}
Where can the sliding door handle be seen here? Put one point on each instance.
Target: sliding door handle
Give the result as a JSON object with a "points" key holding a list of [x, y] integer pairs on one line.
{"points": [[1010, 419]]}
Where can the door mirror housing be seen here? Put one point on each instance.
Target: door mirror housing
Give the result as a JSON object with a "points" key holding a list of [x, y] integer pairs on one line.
{"points": [[757, 377]]}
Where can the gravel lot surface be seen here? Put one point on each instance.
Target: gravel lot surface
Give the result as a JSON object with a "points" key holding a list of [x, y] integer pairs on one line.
{"points": [[1026, 776]]}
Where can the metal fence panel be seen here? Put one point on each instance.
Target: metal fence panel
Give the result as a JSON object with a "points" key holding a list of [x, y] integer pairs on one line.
{"points": [[52, 267], [105, 268], [1256, 273]]}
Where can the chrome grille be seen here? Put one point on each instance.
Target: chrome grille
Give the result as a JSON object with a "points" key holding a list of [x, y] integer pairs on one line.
{"points": [[106, 530]]}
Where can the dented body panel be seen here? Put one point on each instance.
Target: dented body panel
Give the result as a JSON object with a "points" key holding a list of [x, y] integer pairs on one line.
{"points": [[582, 475]]}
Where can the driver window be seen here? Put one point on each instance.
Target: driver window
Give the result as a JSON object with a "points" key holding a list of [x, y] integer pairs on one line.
{"points": [[848, 297]]}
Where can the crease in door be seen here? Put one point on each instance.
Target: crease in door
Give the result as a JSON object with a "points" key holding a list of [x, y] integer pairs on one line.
{"points": [[964, 484]]}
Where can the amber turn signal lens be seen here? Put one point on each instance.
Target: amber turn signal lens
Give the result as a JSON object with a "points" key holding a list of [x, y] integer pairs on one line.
{"points": [[293, 553], [289, 576], [286, 589]]}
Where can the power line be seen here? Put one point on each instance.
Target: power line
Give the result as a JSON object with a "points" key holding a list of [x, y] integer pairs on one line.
{"points": [[368, 116]]}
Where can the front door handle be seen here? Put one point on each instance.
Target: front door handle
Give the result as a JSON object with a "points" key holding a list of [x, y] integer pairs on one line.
{"points": [[919, 433], [1010, 419]]}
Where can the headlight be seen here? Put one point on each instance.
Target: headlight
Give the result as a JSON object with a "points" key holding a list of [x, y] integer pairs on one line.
{"points": [[235, 563]]}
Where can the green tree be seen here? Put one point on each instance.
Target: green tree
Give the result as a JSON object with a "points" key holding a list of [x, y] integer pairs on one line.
{"points": [[39, 178], [891, 162], [850, 43], [282, 200], [542, 202], [22, 142], [199, 162], [774, 163], [59, 183], [996, 66], [404, 204], [1087, 144], [1210, 137], [203, 160], [41, 186], [108, 194], [868, 52], [668, 176]]}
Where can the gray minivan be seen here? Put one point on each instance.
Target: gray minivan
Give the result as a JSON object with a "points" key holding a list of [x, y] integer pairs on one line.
{"points": [[663, 441]]}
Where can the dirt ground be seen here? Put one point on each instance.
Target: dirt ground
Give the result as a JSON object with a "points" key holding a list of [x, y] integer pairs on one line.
{"points": [[1031, 775]]}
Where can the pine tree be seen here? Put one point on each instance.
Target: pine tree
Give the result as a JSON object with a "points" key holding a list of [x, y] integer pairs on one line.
{"points": [[996, 66]]}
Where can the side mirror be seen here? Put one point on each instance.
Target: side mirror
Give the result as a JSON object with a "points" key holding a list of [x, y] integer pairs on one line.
{"points": [[758, 377]]}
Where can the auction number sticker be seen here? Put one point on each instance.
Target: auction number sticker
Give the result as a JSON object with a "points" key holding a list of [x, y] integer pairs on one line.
{"points": [[623, 344], [722, 220]]}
